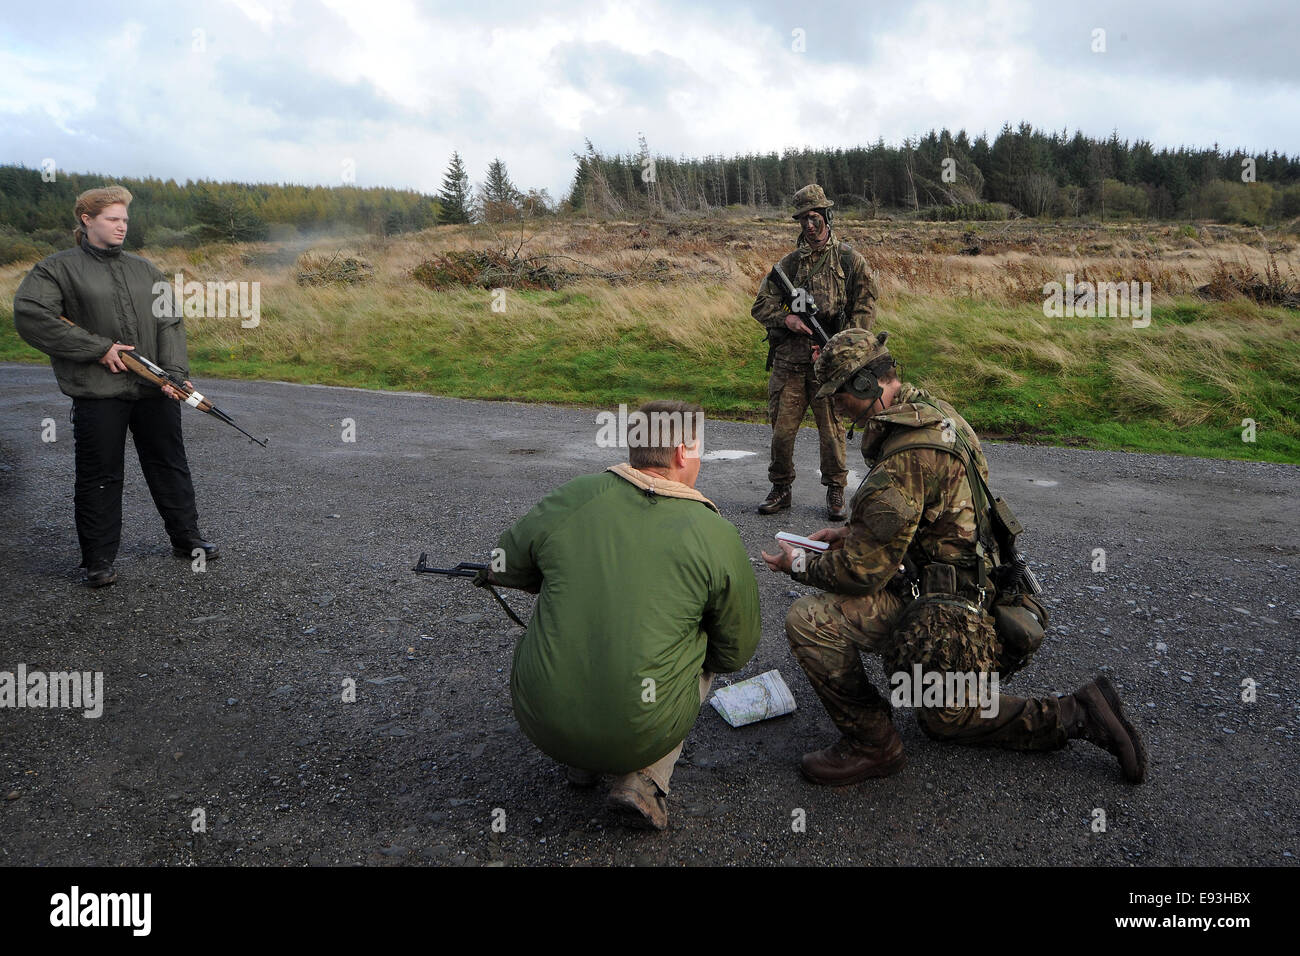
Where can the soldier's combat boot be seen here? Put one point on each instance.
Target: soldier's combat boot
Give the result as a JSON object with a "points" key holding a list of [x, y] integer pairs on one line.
{"points": [[778, 499], [849, 761], [1095, 713], [835, 509]]}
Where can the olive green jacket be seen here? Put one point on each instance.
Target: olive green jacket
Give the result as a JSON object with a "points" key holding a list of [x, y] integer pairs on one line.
{"points": [[642, 586], [110, 295]]}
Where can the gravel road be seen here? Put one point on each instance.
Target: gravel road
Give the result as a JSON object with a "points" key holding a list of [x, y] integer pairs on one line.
{"points": [[223, 688]]}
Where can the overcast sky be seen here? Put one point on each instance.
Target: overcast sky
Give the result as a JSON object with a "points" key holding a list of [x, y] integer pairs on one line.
{"points": [[294, 90]]}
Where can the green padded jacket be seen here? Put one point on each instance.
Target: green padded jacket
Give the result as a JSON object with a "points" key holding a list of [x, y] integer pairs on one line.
{"points": [[642, 586]]}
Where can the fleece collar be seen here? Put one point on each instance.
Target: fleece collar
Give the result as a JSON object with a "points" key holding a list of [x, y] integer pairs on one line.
{"points": [[659, 486]]}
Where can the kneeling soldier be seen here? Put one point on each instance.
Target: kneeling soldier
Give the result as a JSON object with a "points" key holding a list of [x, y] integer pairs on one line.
{"points": [[916, 504]]}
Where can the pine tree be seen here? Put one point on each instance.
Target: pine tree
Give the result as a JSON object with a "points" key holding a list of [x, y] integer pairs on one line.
{"points": [[224, 216], [498, 194], [455, 195]]}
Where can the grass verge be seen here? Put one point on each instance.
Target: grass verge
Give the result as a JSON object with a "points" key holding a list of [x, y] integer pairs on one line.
{"points": [[1183, 386]]}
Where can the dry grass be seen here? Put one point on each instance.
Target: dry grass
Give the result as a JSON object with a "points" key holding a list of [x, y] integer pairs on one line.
{"points": [[969, 326], [1015, 260]]}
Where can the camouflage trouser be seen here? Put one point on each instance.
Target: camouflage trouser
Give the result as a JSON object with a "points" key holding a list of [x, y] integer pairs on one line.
{"points": [[789, 393], [827, 631]]}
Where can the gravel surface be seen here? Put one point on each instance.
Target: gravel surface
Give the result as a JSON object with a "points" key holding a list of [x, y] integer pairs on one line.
{"points": [[224, 689]]}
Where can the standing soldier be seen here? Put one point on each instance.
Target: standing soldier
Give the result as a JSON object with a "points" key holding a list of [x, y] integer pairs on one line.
{"points": [[109, 296], [835, 277], [917, 504]]}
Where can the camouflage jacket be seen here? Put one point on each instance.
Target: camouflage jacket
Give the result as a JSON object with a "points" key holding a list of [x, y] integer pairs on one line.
{"points": [[835, 290], [915, 503]]}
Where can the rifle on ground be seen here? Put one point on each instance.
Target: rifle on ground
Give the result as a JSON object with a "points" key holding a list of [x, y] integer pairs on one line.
{"points": [[801, 303], [466, 569], [159, 376]]}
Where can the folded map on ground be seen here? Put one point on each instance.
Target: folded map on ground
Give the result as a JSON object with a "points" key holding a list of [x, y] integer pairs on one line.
{"points": [[755, 699]]}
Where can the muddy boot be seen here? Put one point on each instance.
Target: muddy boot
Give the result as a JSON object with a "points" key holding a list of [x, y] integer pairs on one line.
{"points": [[1095, 713], [835, 509], [638, 801], [850, 761], [778, 499]]}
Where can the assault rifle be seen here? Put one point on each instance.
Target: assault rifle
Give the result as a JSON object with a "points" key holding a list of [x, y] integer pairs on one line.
{"points": [[466, 569], [801, 303], [159, 376]]}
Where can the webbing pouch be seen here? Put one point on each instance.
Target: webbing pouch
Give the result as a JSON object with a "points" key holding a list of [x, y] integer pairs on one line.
{"points": [[1021, 621]]}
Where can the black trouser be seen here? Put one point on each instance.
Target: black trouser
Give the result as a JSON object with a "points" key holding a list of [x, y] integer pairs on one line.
{"points": [[99, 428]]}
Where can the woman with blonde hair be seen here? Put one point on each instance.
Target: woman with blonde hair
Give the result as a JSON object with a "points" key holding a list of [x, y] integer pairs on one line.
{"points": [[108, 295]]}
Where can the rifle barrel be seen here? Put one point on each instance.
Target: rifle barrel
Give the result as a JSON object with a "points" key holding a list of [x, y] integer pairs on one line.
{"points": [[466, 569]]}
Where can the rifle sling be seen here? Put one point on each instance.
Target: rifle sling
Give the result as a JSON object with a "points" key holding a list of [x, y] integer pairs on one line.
{"points": [[981, 496], [505, 607]]}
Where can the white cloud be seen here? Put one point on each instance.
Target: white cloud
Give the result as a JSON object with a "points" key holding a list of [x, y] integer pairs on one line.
{"points": [[286, 90]]}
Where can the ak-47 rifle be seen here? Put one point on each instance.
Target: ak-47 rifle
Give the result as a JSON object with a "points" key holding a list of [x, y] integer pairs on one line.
{"points": [[801, 303], [466, 569], [151, 372]]}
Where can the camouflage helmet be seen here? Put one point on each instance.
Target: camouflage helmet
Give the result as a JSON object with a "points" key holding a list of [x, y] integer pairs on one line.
{"points": [[844, 354], [809, 198]]}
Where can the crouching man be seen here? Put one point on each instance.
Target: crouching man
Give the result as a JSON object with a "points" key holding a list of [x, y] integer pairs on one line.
{"points": [[646, 592], [917, 503]]}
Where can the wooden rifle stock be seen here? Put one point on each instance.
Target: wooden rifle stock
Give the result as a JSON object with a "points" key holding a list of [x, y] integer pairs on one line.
{"points": [[159, 376]]}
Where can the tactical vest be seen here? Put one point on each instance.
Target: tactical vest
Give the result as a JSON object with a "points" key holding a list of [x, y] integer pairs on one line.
{"points": [[832, 324], [846, 266], [1021, 618], [974, 573]]}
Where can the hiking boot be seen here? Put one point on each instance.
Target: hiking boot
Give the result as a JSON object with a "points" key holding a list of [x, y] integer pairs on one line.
{"points": [[1099, 719], [778, 499], [582, 779], [100, 573], [850, 761], [835, 509], [185, 549], [639, 802]]}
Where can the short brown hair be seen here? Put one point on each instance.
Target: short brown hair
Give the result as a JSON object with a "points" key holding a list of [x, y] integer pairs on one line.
{"points": [[94, 201], [667, 424]]}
